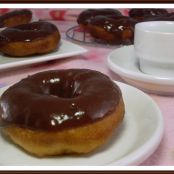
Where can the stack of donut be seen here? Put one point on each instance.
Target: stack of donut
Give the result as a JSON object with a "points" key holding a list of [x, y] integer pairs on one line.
{"points": [[21, 37], [112, 27], [108, 25]]}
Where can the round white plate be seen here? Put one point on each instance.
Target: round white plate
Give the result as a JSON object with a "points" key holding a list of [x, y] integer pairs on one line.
{"points": [[124, 62], [136, 139]]}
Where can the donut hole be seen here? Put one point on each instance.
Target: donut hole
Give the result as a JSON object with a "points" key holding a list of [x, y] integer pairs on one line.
{"points": [[61, 90]]}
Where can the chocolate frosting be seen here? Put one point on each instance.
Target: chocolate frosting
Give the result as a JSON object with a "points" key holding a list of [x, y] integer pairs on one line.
{"points": [[12, 14], [57, 100], [27, 32], [86, 16]]}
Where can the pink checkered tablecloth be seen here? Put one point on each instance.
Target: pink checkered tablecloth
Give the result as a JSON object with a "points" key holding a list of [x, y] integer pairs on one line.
{"points": [[95, 59]]}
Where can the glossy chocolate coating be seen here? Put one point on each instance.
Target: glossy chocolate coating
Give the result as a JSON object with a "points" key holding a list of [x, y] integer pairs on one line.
{"points": [[86, 16], [27, 32], [116, 25], [13, 14], [57, 100], [142, 14]]}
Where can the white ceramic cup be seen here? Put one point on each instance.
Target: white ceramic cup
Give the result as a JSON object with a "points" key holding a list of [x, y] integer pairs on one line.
{"points": [[154, 47]]}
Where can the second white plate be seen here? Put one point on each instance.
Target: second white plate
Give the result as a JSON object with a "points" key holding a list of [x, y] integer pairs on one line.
{"points": [[124, 62], [66, 49], [137, 138]]}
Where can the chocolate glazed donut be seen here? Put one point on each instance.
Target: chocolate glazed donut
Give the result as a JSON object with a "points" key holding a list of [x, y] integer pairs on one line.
{"points": [[64, 111], [113, 29], [28, 39], [15, 18]]}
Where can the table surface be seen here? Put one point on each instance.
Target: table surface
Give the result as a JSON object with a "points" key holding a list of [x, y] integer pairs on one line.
{"points": [[95, 59]]}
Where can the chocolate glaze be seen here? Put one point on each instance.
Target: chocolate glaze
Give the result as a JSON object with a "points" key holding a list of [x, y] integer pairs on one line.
{"points": [[27, 32], [13, 14], [57, 100], [86, 16], [116, 25], [142, 14]]}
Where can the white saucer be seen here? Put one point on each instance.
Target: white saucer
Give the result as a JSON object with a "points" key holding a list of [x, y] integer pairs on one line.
{"points": [[137, 138], [124, 62]]}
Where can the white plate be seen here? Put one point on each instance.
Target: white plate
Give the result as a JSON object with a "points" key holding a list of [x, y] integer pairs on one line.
{"points": [[124, 62], [137, 138], [66, 49]]}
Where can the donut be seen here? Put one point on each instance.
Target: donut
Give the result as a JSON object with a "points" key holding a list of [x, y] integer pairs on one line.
{"points": [[113, 29], [57, 112], [85, 16], [142, 14], [15, 18], [28, 39]]}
